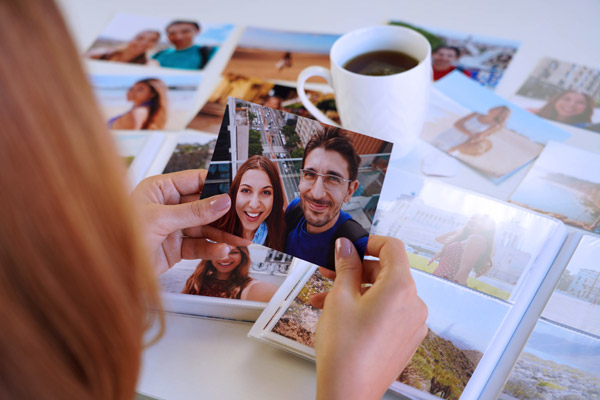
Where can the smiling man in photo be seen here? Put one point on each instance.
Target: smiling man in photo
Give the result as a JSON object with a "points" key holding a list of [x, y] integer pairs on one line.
{"points": [[328, 179], [184, 54]]}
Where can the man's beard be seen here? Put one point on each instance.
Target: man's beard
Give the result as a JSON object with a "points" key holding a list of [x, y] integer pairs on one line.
{"points": [[321, 219]]}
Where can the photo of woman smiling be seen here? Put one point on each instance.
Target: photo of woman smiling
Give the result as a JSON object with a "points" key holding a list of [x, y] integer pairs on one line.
{"points": [[228, 278], [256, 204]]}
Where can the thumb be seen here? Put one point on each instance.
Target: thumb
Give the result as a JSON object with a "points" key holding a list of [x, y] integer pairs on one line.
{"points": [[348, 267], [195, 213]]}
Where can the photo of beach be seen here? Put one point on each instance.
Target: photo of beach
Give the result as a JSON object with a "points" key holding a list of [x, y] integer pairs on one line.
{"points": [[278, 55], [135, 102], [482, 129], [565, 184], [443, 227], [564, 92], [256, 90], [138, 31]]}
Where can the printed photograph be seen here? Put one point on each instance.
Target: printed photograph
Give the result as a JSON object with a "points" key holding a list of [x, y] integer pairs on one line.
{"points": [[448, 356], [296, 184], [556, 363], [156, 41], [576, 299], [181, 151], [247, 273], [564, 92], [468, 239], [481, 58], [482, 129], [133, 102], [255, 90], [130, 145], [280, 55], [564, 183]]}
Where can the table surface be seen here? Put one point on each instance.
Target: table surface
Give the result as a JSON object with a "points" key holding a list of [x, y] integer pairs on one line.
{"points": [[214, 359]]}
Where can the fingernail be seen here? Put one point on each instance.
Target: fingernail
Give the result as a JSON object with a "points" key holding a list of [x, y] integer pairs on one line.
{"points": [[343, 248], [220, 203]]}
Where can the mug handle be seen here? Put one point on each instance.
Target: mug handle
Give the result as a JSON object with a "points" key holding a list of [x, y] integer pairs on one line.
{"points": [[306, 73]]}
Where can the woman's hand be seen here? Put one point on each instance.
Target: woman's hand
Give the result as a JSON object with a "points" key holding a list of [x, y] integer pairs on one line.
{"points": [[175, 219], [366, 336]]}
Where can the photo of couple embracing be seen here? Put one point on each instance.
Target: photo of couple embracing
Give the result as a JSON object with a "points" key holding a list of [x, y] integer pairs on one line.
{"points": [[296, 185]]}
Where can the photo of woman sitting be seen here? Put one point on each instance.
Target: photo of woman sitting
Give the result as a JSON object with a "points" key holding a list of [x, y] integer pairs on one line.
{"points": [[470, 248], [469, 134], [134, 52], [228, 278], [256, 204], [149, 111]]}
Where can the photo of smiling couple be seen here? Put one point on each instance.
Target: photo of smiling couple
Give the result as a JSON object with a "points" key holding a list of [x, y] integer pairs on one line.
{"points": [[296, 185]]}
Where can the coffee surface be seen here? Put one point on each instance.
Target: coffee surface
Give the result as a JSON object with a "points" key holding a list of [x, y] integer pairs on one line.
{"points": [[382, 62]]}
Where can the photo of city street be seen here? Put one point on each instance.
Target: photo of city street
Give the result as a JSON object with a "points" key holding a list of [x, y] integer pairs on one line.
{"points": [[250, 129]]}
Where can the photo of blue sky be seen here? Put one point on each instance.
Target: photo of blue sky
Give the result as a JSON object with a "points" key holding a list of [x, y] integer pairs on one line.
{"points": [[564, 346], [124, 27], [455, 313], [301, 42]]}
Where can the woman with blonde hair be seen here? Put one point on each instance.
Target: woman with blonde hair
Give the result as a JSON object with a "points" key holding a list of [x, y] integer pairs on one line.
{"points": [[134, 52], [149, 111], [75, 280], [228, 278]]}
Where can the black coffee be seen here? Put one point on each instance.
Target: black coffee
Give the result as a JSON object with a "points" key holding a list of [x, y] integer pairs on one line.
{"points": [[382, 62]]}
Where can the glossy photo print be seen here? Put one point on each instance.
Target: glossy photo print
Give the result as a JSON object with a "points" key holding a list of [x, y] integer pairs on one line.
{"points": [[465, 238], [564, 92], [481, 58], [182, 43], [256, 90], [134, 102], [564, 183], [483, 130], [250, 273], [295, 184], [448, 356], [277, 54]]}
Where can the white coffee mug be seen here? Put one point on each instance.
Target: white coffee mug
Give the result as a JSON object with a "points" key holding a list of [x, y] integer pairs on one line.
{"points": [[389, 107]]}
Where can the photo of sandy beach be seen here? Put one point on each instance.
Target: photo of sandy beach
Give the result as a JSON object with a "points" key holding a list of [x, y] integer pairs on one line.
{"points": [[278, 55]]}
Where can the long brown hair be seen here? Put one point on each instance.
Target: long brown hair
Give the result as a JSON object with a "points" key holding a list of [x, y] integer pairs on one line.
{"points": [[549, 109], [157, 116], [231, 223], [75, 282], [206, 271]]}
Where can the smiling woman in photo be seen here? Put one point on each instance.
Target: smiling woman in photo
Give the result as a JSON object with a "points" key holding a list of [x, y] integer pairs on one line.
{"points": [[149, 111], [134, 52], [256, 204], [228, 278], [569, 107]]}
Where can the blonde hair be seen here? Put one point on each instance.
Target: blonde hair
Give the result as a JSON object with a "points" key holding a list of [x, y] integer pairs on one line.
{"points": [[75, 282]]}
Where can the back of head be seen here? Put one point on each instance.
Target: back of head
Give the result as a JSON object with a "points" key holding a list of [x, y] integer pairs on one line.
{"points": [[74, 281]]}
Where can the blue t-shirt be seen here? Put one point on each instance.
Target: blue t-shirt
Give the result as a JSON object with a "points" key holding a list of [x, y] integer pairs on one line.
{"points": [[190, 58], [315, 247]]}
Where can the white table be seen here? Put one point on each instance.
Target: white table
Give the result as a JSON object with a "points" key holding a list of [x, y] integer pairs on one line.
{"points": [[200, 358]]}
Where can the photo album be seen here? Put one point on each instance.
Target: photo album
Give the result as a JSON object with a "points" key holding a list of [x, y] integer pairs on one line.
{"points": [[513, 294], [296, 186], [481, 312]]}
